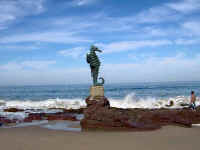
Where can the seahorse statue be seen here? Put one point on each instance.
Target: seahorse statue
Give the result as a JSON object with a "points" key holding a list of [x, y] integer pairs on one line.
{"points": [[94, 62]]}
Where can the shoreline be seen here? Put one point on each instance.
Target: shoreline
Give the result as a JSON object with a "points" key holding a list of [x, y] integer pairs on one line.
{"points": [[32, 137]]}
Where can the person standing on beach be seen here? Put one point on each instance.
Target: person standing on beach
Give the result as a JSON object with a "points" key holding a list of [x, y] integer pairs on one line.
{"points": [[192, 101]]}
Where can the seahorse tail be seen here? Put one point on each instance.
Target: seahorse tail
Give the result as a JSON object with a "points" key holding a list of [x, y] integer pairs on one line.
{"points": [[102, 81]]}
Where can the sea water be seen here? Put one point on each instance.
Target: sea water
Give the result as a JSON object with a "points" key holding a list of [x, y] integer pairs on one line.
{"points": [[129, 95]]}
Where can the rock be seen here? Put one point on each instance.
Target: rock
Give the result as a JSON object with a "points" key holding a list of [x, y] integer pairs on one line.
{"points": [[13, 110], [74, 111], [34, 116], [98, 102], [4, 120], [99, 115], [61, 116], [50, 116]]}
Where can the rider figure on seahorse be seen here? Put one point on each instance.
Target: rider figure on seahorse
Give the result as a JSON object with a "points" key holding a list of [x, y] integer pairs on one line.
{"points": [[94, 62]]}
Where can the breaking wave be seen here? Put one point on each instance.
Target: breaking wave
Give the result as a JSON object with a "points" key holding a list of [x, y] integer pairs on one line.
{"points": [[129, 101]]}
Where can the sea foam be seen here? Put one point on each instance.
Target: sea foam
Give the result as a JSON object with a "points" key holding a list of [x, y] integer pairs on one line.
{"points": [[129, 101]]}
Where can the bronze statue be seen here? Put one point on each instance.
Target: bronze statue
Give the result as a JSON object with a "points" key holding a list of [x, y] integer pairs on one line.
{"points": [[94, 62]]}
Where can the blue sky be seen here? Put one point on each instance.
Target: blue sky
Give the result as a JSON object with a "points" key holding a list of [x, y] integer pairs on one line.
{"points": [[45, 41]]}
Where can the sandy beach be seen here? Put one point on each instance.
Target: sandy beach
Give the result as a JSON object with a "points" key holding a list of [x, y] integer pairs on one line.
{"points": [[32, 138]]}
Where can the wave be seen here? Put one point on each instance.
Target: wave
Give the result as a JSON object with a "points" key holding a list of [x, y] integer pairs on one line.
{"points": [[129, 101], [45, 104]]}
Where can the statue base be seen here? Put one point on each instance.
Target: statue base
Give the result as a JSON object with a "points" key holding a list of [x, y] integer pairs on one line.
{"points": [[96, 92]]}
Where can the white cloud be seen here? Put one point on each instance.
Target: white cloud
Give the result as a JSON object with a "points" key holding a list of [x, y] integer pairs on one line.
{"points": [[11, 10], [192, 27], [38, 65], [156, 15], [166, 12], [2, 27], [20, 47], [150, 69], [131, 45], [176, 68], [82, 2], [155, 32], [55, 37], [187, 41], [40, 73], [74, 52], [74, 24], [10, 66], [185, 6]]}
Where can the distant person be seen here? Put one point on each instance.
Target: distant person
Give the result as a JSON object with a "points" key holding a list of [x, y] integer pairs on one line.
{"points": [[192, 101]]}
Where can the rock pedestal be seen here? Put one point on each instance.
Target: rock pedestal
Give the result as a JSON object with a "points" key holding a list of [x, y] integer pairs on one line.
{"points": [[97, 97], [96, 92]]}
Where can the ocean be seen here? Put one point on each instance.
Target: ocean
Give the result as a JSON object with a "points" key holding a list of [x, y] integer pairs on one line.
{"points": [[35, 99], [129, 95]]}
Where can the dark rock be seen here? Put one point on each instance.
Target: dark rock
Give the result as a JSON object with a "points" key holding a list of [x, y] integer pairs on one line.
{"points": [[34, 116], [74, 111], [99, 115], [13, 110], [98, 102], [4, 120], [50, 116], [61, 116]]}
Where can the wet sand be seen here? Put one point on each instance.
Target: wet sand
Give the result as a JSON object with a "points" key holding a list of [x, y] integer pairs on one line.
{"points": [[36, 138]]}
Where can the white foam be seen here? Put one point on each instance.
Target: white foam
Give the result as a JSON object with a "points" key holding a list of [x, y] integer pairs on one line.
{"points": [[38, 107], [46, 104], [129, 101], [14, 115]]}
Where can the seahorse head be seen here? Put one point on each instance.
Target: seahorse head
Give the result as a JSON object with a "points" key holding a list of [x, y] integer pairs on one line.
{"points": [[94, 48]]}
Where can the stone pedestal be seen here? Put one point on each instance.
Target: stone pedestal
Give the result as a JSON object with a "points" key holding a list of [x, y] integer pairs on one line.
{"points": [[96, 92]]}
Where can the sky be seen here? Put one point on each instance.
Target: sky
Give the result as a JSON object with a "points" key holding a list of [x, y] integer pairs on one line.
{"points": [[45, 42]]}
